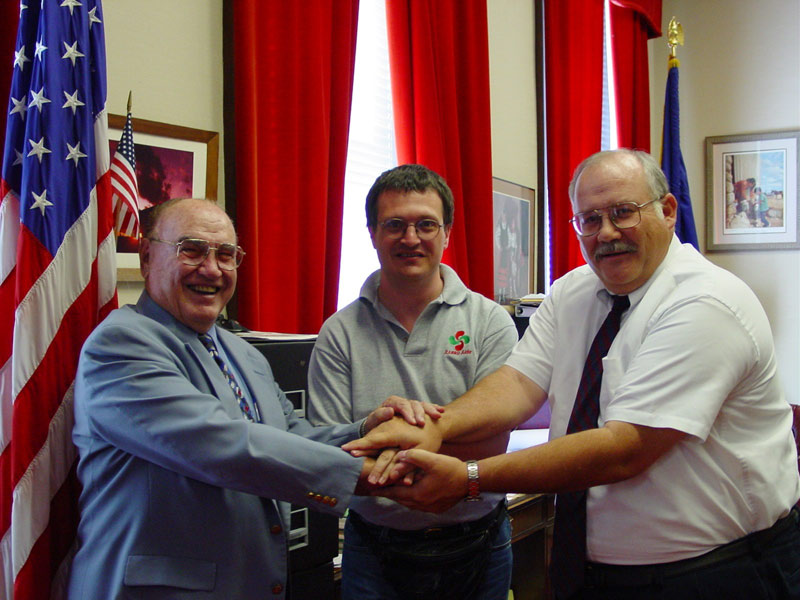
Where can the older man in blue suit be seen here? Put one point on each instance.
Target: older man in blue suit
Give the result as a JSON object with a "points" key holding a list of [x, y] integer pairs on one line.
{"points": [[189, 452]]}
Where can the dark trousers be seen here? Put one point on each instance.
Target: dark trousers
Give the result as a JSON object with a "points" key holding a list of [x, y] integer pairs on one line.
{"points": [[764, 565]]}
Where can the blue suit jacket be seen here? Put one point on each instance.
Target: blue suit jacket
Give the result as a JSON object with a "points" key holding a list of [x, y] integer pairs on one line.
{"points": [[183, 498]]}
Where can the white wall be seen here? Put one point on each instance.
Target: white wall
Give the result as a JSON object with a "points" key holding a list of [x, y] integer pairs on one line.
{"points": [[739, 73], [169, 53], [513, 91]]}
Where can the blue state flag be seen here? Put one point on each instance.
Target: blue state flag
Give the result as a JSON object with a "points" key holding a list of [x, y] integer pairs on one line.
{"points": [[672, 160]]}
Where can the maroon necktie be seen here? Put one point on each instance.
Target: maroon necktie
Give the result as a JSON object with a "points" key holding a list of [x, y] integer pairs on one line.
{"points": [[569, 531]]}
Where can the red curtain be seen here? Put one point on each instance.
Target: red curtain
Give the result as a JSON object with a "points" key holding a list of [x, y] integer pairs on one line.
{"points": [[293, 78], [574, 98], [633, 22], [439, 56], [9, 19]]}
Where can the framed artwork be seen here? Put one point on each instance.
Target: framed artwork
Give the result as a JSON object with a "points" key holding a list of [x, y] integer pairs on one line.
{"points": [[514, 207], [171, 162], [751, 191]]}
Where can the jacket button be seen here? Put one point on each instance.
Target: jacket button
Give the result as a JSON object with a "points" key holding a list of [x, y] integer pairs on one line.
{"points": [[276, 529], [277, 589]]}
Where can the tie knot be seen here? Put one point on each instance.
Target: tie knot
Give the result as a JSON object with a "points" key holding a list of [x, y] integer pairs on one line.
{"points": [[621, 304], [208, 341]]}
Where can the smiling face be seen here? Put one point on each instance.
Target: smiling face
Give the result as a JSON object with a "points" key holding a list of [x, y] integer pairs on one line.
{"points": [[623, 259], [195, 296], [408, 258]]}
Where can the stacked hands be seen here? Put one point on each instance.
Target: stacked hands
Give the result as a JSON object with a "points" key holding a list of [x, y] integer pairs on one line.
{"points": [[401, 457]]}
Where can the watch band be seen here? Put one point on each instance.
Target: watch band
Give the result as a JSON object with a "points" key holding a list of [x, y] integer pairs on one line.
{"points": [[473, 481]]}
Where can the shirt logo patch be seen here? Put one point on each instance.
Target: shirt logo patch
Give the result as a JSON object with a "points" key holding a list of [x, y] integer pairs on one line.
{"points": [[459, 342]]}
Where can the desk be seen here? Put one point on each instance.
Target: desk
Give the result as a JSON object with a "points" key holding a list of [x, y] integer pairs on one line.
{"points": [[531, 538]]}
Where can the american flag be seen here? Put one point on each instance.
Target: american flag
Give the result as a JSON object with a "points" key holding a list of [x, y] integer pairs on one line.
{"points": [[57, 268], [123, 184]]}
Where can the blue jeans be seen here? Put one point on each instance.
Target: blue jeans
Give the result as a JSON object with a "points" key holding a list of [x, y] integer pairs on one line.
{"points": [[362, 577]]}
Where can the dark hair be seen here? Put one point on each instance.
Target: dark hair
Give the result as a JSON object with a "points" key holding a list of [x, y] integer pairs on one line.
{"points": [[409, 178]]}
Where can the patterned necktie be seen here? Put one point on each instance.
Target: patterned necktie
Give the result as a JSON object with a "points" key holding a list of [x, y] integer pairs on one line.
{"points": [[569, 530], [208, 342]]}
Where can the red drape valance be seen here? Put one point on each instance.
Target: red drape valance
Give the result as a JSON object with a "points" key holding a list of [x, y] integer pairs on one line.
{"points": [[439, 55], [648, 10], [293, 78], [633, 22]]}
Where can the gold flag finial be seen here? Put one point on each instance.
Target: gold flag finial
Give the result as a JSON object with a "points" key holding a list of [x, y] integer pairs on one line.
{"points": [[674, 36], [130, 97]]}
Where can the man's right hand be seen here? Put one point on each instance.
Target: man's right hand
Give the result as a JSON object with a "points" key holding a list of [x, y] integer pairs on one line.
{"points": [[395, 434]]}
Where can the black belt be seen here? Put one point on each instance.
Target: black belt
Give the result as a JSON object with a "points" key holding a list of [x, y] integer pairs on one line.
{"points": [[430, 533], [598, 575]]}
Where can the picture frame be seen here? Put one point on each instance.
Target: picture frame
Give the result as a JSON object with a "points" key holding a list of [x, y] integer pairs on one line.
{"points": [[752, 182], [172, 161], [514, 214]]}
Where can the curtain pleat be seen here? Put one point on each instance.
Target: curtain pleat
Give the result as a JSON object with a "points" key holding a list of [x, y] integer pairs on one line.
{"points": [[574, 99], [439, 56], [293, 74]]}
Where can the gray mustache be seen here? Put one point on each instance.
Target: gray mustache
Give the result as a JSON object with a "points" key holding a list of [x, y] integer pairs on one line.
{"points": [[614, 248]]}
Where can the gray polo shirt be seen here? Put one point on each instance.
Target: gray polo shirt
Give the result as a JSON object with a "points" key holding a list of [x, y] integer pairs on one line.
{"points": [[363, 355]]}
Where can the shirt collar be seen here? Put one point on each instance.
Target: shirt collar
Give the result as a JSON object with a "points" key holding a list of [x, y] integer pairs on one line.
{"points": [[454, 291]]}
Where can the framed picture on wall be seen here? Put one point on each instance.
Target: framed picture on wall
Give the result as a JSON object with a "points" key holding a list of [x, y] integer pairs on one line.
{"points": [[171, 162], [514, 207], [751, 191]]}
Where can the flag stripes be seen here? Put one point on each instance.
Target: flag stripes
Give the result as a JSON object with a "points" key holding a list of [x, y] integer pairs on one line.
{"points": [[58, 280]]}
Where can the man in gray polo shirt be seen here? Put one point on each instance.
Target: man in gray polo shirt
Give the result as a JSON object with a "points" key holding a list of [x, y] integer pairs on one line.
{"points": [[418, 332]]}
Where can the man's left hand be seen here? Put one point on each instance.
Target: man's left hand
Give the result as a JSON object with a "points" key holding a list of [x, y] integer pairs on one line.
{"points": [[440, 482], [412, 411]]}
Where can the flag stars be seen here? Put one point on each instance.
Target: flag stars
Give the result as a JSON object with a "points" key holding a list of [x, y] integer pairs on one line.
{"points": [[93, 17], [71, 4], [18, 159], [75, 153], [40, 48], [40, 201], [72, 101], [38, 100], [20, 107], [38, 150], [20, 59], [72, 52]]}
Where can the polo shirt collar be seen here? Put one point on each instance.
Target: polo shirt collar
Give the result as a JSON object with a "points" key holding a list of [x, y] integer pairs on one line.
{"points": [[454, 291]]}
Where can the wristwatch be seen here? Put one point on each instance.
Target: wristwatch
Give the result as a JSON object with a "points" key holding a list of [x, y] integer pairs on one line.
{"points": [[473, 482]]}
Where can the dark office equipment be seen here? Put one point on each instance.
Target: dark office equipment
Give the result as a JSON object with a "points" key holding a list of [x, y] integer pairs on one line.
{"points": [[313, 539]]}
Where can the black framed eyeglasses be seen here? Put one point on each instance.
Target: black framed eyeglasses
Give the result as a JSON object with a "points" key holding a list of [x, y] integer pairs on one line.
{"points": [[426, 229], [193, 252], [623, 216]]}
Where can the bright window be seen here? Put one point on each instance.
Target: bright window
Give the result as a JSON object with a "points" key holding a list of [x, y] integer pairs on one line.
{"points": [[371, 148]]}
